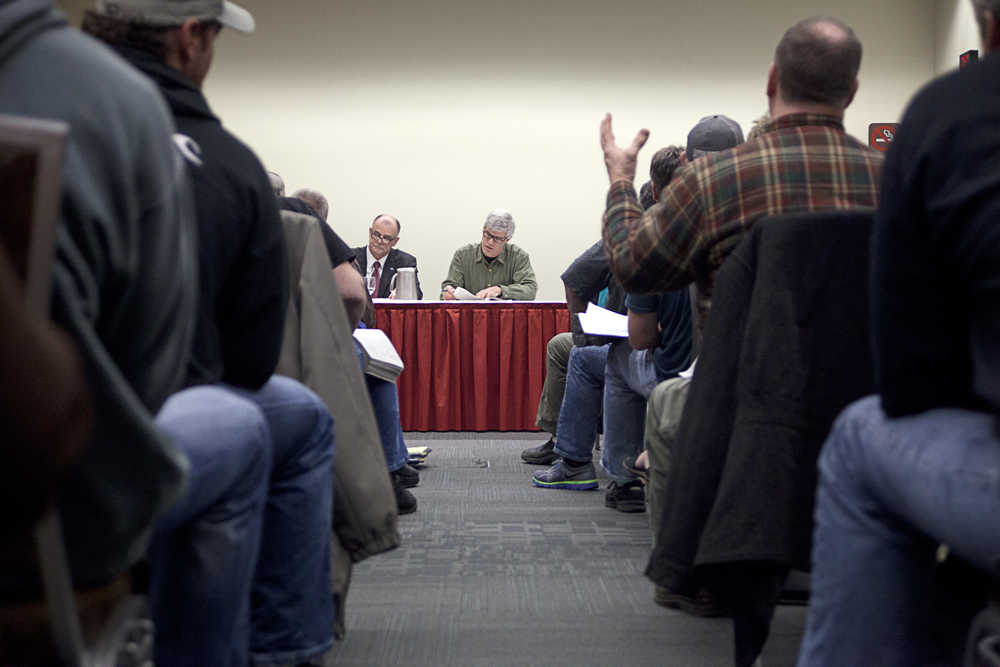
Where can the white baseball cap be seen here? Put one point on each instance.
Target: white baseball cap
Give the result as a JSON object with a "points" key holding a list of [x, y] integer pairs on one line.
{"points": [[175, 12]]}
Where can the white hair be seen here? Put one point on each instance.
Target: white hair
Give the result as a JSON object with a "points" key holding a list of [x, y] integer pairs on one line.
{"points": [[499, 220], [315, 199]]}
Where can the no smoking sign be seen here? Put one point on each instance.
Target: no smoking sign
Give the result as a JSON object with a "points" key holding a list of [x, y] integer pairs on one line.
{"points": [[881, 135]]}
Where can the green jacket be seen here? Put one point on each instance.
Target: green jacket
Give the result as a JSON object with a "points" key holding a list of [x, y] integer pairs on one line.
{"points": [[511, 271]]}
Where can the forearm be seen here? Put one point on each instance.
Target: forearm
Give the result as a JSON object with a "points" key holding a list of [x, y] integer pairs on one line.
{"points": [[574, 302], [519, 291], [640, 257], [522, 286], [643, 330], [351, 287]]}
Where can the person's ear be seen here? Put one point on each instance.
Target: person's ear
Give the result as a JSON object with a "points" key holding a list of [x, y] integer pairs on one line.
{"points": [[188, 39], [772, 81], [854, 91]]}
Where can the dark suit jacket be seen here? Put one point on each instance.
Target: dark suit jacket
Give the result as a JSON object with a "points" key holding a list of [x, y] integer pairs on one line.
{"points": [[396, 259], [786, 347]]}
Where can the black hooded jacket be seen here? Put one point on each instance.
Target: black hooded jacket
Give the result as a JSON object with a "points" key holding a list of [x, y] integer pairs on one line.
{"points": [[242, 259]]}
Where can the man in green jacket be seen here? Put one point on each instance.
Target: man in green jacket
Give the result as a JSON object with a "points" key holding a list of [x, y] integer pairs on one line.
{"points": [[494, 268]]}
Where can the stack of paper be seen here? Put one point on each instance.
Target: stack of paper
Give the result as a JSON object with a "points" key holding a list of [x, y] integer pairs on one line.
{"points": [[417, 455], [599, 321], [381, 359]]}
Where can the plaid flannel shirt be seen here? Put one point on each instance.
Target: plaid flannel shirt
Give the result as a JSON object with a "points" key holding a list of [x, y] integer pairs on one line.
{"points": [[803, 162]]}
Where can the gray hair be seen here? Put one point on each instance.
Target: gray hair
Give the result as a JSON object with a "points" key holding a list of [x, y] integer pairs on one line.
{"points": [[818, 61], [277, 184], [315, 199], [499, 220]]}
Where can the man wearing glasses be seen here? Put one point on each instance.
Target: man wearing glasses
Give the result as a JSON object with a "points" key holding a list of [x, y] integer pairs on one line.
{"points": [[380, 259], [494, 268]]}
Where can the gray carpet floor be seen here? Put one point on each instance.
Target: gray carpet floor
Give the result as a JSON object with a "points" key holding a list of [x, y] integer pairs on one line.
{"points": [[493, 571]]}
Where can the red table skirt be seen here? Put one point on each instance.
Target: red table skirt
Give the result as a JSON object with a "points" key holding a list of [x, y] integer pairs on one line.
{"points": [[471, 366]]}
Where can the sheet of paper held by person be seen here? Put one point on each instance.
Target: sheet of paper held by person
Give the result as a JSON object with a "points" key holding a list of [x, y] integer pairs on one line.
{"points": [[463, 294], [599, 321]]}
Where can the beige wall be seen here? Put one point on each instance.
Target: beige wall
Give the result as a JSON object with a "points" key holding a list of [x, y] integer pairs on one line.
{"points": [[438, 110], [956, 33]]}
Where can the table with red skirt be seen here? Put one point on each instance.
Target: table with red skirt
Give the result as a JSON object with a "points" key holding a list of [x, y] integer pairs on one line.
{"points": [[470, 365]]}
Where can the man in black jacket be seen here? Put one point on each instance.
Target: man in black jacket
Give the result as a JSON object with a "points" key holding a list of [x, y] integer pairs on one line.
{"points": [[243, 292], [380, 259], [919, 464]]}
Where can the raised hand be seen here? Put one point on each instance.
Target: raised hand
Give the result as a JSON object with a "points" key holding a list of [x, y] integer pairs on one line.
{"points": [[620, 162]]}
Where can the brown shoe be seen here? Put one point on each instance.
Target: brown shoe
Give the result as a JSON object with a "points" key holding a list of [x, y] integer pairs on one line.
{"points": [[703, 603]]}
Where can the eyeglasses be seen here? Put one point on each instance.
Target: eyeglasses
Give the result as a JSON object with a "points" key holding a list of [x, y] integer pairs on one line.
{"points": [[382, 237], [496, 239]]}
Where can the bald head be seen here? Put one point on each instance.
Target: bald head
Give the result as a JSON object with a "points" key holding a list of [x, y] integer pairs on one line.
{"points": [[382, 217], [817, 63]]}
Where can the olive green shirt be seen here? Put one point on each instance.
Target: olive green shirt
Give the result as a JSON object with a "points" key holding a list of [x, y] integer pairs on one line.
{"points": [[511, 271]]}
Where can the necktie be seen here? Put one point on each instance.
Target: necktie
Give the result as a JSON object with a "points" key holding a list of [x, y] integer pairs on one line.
{"points": [[375, 277]]}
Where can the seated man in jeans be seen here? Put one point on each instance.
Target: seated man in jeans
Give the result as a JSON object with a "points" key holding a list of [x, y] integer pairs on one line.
{"points": [[240, 565], [243, 294], [919, 464], [586, 280], [621, 374]]}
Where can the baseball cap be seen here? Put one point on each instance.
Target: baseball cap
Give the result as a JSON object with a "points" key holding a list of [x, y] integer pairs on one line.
{"points": [[175, 12], [713, 133]]}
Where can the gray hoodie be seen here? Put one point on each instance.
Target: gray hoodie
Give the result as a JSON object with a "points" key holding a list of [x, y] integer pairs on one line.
{"points": [[124, 281]]}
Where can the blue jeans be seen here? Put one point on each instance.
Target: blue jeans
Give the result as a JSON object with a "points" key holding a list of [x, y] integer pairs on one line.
{"points": [[385, 403], [890, 490], [580, 413], [629, 379], [621, 378], [240, 565]]}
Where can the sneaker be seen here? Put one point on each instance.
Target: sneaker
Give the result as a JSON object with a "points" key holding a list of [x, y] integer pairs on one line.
{"points": [[542, 455], [628, 497], [562, 476], [702, 604], [406, 502], [408, 476]]}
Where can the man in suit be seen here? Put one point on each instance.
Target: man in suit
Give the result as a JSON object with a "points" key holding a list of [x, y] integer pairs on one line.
{"points": [[380, 259]]}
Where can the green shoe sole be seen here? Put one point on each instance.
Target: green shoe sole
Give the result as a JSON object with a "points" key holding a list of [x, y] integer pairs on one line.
{"points": [[575, 485]]}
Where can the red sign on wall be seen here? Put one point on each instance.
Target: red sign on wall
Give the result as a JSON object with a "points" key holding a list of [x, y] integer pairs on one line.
{"points": [[881, 135], [968, 58]]}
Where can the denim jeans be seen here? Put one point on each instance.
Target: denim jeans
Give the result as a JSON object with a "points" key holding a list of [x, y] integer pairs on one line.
{"points": [[629, 378], [241, 565], [580, 413], [890, 490], [385, 403], [619, 377]]}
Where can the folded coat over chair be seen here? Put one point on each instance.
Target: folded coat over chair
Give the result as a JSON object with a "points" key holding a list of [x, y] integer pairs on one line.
{"points": [[786, 347], [318, 350]]}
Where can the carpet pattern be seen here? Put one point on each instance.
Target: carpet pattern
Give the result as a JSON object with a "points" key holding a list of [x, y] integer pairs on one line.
{"points": [[494, 571]]}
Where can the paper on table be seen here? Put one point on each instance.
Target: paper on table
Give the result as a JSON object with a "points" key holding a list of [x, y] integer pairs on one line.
{"points": [[463, 294], [599, 321]]}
